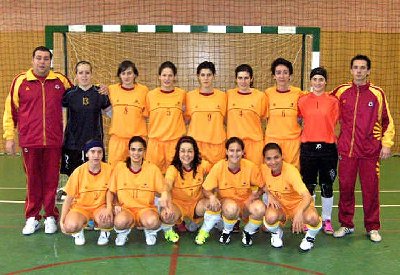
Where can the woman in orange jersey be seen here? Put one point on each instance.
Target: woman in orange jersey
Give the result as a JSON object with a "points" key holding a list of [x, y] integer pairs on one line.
{"points": [[86, 196], [184, 179], [128, 100], [246, 111], [233, 188], [282, 125], [164, 106], [318, 152], [206, 110], [288, 199], [133, 186]]}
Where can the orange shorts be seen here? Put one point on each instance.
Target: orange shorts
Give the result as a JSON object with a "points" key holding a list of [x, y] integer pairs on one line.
{"points": [[290, 212], [161, 153], [211, 152], [290, 149], [137, 213], [253, 151], [88, 212], [188, 210]]}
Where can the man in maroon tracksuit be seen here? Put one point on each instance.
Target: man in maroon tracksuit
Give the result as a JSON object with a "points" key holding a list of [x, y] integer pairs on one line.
{"points": [[366, 135], [34, 105]]}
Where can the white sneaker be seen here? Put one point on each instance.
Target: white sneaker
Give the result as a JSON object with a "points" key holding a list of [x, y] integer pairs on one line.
{"points": [[103, 238], [151, 236], [79, 238], [50, 225], [375, 236], [307, 243], [31, 226], [342, 231], [276, 238], [122, 237]]}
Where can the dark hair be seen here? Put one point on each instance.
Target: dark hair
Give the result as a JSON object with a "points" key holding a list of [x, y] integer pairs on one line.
{"points": [[281, 61], [132, 140], [234, 140], [319, 71], [42, 49], [245, 68], [83, 62], [177, 163], [206, 65], [271, 146], [126, 64], [361, 57], [167, 64]]}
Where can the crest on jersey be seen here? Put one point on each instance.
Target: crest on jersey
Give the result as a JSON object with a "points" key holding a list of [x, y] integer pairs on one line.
{"points": [[370, 104]]}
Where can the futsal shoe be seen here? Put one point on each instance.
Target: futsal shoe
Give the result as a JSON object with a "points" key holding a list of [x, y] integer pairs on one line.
{"points": [[151, 236], [247, 238], [171, 236], [343, 231], [201, 237], [276, 238], [307, 243], [122, 237], [225, 237], [50, 225], [31, 226], [374, 236], [327, 227], [103, 238], [79, 238]]}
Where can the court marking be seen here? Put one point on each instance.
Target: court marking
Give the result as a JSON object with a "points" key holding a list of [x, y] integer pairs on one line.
{"points": [[284, 266]]}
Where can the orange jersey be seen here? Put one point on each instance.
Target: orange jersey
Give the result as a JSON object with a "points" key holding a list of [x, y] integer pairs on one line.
{"points": [[128, 107], [282, 113], [188, 188], [245, 113], [207, 114], [165, 112], [320, 115], [236, 186], [136, 189], [88, 189], [286, 187]]}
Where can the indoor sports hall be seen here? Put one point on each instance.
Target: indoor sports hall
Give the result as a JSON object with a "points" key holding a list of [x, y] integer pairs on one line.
{"points": [[228, 33]]}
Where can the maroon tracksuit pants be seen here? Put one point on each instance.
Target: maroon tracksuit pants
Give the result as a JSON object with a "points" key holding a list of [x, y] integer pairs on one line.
{"points": [[42, 166], [368, 170]]}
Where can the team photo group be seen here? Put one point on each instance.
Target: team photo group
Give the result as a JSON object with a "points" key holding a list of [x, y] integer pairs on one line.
{"points": [[241, 160]]}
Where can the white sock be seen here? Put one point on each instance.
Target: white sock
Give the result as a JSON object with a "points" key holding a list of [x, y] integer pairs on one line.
{"points": [[210, 219], [326, 208], [228, 224], [166, 227], [252, 226], [313, 231], [273, 228]]}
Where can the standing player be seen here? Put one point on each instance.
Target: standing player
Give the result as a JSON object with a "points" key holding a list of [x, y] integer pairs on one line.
{"points": [[318, 153], [288, 199], [86, 196], [366, 135], [165, 107], [184, 179], [128, 100], [134, 184], [246, 111], [34, 105], [83, 109], [282, 126], [233, 187], [206, 110]]}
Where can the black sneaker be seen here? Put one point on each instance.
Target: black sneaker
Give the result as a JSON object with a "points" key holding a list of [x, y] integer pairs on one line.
{"points": [[247, 238], [225, 237], [236, 227]]}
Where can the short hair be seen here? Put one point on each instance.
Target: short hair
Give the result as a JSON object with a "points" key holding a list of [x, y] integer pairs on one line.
{"points": [[319, 71], [244, 68], [271, 146], [176, 161], [361, 57], [281, 61], [167, 64], [124, 65], [83, 62], [42, 49], [234, 140], [206, 65]]}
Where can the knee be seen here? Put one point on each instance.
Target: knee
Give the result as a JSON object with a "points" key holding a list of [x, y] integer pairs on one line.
{"points": [[271, 216], [121, 222], [312, 219], [257, 209], [230, 210], [72, 226], [169, 218], [150, 220]]}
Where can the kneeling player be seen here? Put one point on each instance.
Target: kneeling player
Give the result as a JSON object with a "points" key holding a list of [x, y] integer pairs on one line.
{"points": [[134, 184], [86, 196], [288, 198], [233, 187]]}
